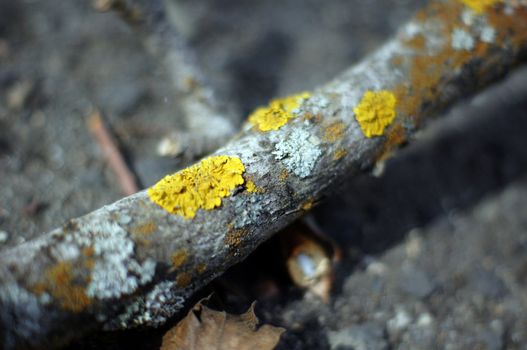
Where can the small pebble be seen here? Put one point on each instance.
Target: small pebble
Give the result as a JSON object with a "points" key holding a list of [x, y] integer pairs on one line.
{"points": [[399, 322], [425, 320], [18, 94], [366, 336], [3, 236]]}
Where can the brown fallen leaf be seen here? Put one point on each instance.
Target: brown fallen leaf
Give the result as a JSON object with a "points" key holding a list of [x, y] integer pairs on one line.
{"points": [[204, 328]]}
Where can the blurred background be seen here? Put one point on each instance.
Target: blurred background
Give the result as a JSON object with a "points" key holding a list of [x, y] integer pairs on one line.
{"points": [[434, 247]]}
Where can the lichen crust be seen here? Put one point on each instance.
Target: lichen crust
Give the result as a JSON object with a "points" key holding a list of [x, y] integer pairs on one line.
{"points": [[277, 113], [375, 112], [200, 186], [479, 6], [298, 151]]}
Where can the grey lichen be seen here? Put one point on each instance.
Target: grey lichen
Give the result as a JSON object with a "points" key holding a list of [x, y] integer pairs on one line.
{"points": [[116, 272], [154, 309], [23, 309], [248, 210], [299, 152]]}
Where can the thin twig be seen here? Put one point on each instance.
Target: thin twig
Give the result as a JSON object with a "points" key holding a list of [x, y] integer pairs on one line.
{"points": [[209, 121], [113, 156]]}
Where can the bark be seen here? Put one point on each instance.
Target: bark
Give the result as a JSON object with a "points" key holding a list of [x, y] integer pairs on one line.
{"points": [[133, 263]]}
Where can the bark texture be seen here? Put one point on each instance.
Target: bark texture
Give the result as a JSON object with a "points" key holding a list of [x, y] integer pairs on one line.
{"points": [[134, 263]]}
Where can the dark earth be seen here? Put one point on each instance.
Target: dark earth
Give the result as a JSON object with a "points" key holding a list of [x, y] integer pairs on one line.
{"points": [[434, 246]]}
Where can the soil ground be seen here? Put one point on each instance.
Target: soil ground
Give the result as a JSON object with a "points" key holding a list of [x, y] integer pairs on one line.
{"points": [[434, 248]]}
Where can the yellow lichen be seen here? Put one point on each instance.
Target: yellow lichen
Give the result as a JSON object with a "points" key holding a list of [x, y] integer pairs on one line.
{"points": [[202, 185], [375, 112], [277, 113], [479, 6], [251, 187]]}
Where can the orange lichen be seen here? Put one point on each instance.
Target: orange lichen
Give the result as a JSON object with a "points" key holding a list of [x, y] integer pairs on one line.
{"points": [[313, 118], [418, 42], [277, 113], [202, 185], [395, 137], [144, 229], [308, 204], [511, 27], [430, 71], [375, 112], [88, 251], [284, 174], [62, 285], [427, 70], [334, 131], [179, 258], [202, 267], [339, 154], [183, 279], [479, 6], [233, 238], [397, 60]]}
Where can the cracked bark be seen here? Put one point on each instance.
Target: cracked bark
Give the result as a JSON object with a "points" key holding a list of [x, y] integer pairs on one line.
{"points": [[132, 263]]}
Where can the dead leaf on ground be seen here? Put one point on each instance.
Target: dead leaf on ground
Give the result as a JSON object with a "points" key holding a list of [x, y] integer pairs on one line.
{"points": [[204, 328]]}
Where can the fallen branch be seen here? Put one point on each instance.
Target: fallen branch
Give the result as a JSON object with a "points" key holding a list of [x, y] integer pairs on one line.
{"points": [[207, 119], [137, 261]]}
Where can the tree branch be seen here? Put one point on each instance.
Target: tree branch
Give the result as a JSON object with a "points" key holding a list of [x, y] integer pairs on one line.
{"points": [[207, 119], [137, 261]]}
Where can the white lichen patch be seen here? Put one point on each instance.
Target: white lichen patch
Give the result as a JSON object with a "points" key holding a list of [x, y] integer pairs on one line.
{"points": [[160, 304], [468, 17], [430, 31], [3, 237], [479, 26], [316, 104], [66, 251], [298, 151], [462, 40], [116, 271], [487, 34]]}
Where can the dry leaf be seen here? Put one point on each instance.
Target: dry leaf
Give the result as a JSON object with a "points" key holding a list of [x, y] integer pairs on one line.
{"points": [[204, 328]]}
